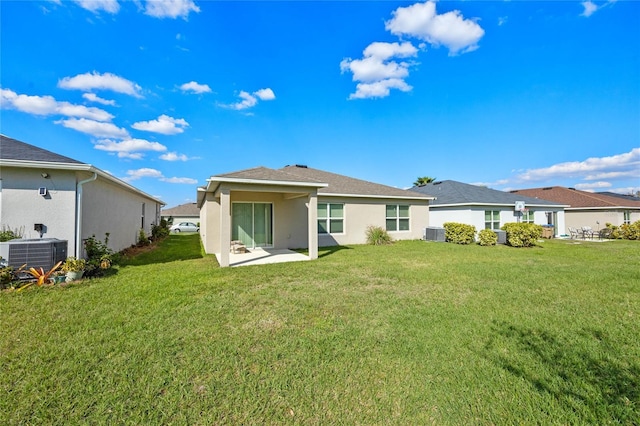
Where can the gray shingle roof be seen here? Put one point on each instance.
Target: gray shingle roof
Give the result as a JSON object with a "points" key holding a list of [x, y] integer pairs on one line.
{"points": [[11, 149], [188, 209], [345, 185], [452, 192]]}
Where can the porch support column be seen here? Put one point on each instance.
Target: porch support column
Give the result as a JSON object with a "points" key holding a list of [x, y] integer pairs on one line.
{"points": [[313, 225], [225, 227]]}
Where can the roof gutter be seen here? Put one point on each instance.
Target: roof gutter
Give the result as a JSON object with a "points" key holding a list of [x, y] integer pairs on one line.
{"points": [[78, 247]]}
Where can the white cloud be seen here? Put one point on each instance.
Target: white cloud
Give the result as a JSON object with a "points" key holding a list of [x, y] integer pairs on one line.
{"points": [[449, 29], [170, 8], [379, 89], [92, 97], [589, 8], [129, 148], [164, 124], [95, 128], [594, 185], [376, 72], [265, 94], [156, 174], [174, 156], [110, 6], [194, 87], [106, 81], [47, 105], [180, 180], [597, 168]]}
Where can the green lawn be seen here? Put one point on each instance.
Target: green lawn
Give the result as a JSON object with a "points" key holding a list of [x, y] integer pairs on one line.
{"points": [[413, 333]]}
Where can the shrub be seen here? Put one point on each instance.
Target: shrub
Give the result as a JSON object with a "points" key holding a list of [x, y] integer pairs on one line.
{"points": [[99, 256], [8, 234], [522, 234], [378, 236], [487, 237], [459, 233]]}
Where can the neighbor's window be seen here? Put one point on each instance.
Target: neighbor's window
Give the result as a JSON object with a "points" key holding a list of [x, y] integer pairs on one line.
{"points": [[627, 217], [527, 217], [397, 217], [492, 219], [330, 218]]}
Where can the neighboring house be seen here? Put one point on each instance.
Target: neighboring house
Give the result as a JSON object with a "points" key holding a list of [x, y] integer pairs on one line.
{"points": [[588, 208], [301, 207], [487, 208], [188, 212], [69, 200]]}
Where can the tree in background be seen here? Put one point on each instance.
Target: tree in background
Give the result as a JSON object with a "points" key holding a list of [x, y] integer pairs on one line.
{"points": [[423, 180]]}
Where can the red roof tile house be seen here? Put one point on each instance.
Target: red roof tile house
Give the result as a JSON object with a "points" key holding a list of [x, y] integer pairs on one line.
{"points": [[588, 208]]}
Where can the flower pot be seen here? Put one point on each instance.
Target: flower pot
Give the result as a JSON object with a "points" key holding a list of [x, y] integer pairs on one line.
{"points": [[73, 275]]}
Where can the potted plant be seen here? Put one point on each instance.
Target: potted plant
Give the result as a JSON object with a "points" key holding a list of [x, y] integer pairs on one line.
{"points": [[74, 268]]}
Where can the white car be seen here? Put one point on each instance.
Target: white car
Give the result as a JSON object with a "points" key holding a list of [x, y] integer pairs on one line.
{"points": [[185, 227]]}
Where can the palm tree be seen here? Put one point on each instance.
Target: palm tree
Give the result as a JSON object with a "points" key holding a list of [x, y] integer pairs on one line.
{"points": [[423, 180]]}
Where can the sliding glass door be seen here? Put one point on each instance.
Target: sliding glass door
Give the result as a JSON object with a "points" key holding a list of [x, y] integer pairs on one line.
{"points": [[252, 223]]}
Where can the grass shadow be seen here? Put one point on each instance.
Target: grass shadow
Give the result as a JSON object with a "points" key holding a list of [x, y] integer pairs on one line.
{"points": [[174, 247], [586, 374]]}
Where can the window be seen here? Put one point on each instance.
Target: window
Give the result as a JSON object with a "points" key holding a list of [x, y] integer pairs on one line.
{"points": [[627, 217], [492, 219], [330, 218], [527, 216], [397, 217]]}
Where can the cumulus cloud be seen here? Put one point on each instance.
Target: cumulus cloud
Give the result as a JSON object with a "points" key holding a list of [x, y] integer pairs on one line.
{"points": [[95, 6], [249, 100], [377, 71], [164, 124], [95, 128], [174, 156], [449, 29], [170, 8], [92, 97], [47, 105], [129, 148], [618, 166], [156, 174], [97, 81], [194, 87]]}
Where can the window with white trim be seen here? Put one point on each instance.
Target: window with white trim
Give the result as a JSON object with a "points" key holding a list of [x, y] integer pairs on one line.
{"points": [[397, 217], [330, 218], [492, 219]]}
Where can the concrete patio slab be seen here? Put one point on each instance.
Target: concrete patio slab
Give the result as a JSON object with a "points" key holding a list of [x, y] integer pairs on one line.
{"points": [[261, 256]]}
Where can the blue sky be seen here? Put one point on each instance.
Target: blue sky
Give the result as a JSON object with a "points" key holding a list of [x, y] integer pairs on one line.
{"points": [[164, 94]]}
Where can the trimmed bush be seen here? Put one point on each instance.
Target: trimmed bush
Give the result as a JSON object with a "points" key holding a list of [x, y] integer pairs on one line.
{"points": [[459, 233], [487, 237], [378, 236], [522, 234]]}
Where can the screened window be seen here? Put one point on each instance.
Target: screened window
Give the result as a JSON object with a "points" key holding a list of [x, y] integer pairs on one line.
{"points": [[627, 217], [330, 218], [492, 219], [397, 217]]}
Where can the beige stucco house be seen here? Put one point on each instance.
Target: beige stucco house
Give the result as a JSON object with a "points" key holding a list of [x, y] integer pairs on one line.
{"points": [[301, 207], [52, 196], [588, 208]]}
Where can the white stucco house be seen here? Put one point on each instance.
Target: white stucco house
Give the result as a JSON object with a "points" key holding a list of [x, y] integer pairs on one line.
{"points": [[487, 208], [52, 196], [301, 207]]}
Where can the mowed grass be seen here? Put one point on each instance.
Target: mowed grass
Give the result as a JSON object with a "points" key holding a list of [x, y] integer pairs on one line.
{"points": [[412, 333]]}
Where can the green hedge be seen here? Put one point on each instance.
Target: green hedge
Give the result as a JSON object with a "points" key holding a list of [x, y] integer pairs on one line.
{"points": [[522, 234], [459, 233]]}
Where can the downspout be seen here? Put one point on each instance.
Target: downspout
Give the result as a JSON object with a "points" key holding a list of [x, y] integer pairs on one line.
{"points": [[78, 246]]}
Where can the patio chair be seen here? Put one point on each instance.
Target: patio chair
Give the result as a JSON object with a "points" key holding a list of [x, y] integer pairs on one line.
{"points": [[573, 233], [587, 232]]}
